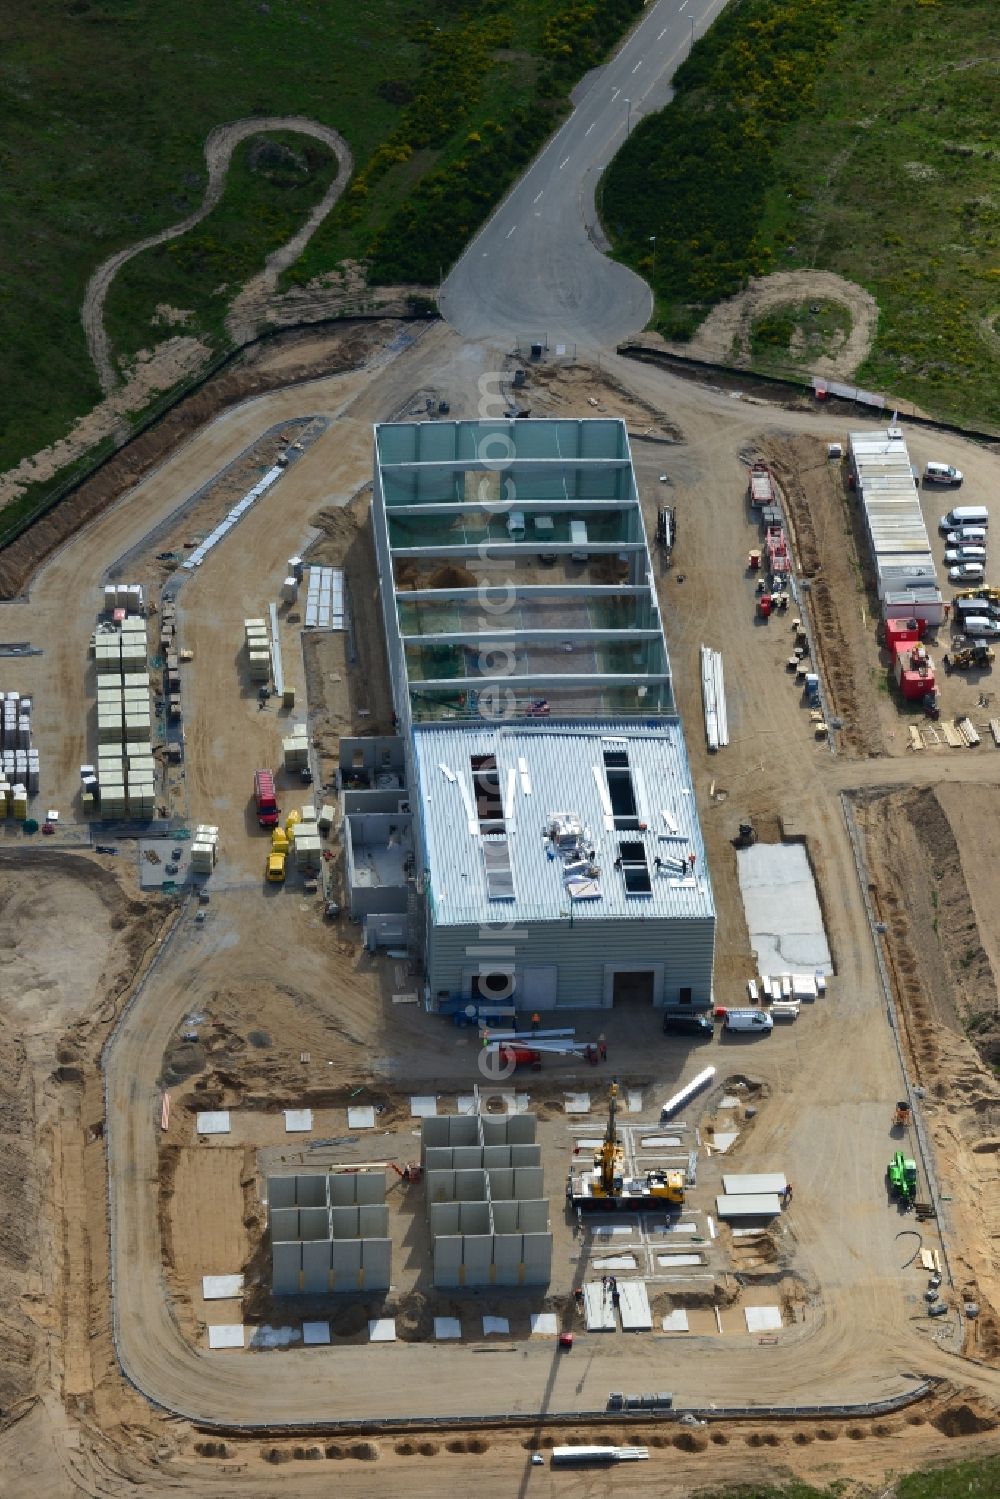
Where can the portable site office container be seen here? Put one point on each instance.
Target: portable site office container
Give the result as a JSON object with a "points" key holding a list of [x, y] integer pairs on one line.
{"points": [[578, 536]]}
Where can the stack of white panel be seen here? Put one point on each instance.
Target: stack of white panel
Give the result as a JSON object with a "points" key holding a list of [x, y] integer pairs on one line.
{"points": [[204, 848], [296, 748], [258, 649], [308, 848], [325, 598]]}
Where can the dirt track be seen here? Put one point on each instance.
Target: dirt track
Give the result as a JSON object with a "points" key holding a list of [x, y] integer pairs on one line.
{"points": [[834, 1094], [219, 147]]}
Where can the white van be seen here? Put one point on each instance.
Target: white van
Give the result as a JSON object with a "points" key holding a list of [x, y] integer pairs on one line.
{"points": [[748, 1020], [942, 473], [965, 515], [964, 554], [979, 624], [965, 536], [578, 536]]}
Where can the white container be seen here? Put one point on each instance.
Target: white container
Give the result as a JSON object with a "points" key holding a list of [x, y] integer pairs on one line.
{"points": [[289, 591]]}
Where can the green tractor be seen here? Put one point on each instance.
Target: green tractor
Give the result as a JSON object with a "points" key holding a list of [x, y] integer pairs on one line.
{"points": [[902, 1175]]}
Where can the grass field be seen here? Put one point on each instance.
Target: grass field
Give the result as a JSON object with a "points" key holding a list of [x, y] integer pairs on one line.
{"points": [[857, 137], [106, 105], [975, 1480]]}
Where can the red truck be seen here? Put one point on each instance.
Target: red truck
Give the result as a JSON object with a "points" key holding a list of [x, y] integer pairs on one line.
{"points": [[264, 798]]}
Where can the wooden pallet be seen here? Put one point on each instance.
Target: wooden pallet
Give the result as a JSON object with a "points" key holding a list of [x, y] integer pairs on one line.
{"points": [[916, 743], [952, 736]]}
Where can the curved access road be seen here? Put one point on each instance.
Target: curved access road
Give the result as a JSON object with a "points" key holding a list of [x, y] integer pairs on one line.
{"points": [[537, 269], [220, 144]]}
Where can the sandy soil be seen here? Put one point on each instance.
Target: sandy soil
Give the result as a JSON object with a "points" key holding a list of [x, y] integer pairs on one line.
{"points": [[724, 336]]}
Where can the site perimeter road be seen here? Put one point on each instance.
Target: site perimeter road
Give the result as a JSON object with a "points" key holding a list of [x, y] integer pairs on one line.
{"points": [[535, 269]]}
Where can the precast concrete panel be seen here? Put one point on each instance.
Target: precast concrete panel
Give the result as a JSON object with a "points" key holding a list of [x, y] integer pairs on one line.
{"points": [[521, 1129], [314, 1223], [463, 1129], [440, 1186], [525, 1155], [434, 1132], [345, 1264], [280, 1192], [286, 1268], [495, 1157], [373, 1220], [508, 1259], [344, 1223], [448, 1267], [284, 1225], [505, 1217], [467, 1157], [477, 1258], [529, 1183], [376, 1264], [502, 1184], [316, 1261], [370, 1188], [343, 1191], [310, 1191], [444, 1218], [474, 1218], [439, 1158], [533, 1217], [537, 1259], [494, 1131], [470, 1186]]}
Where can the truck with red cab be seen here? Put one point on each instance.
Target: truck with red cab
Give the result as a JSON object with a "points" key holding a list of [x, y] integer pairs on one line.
{"points": [[265, 799]]}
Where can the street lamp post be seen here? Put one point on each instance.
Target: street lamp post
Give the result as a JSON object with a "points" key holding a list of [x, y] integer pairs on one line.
{"points": [[652, 238], [628, 119]]}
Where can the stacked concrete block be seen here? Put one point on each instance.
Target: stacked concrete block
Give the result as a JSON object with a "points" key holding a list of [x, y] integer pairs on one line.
{"points": [[295, 748], [258, 644], [204, 848], [126, 782], [19, 765]]}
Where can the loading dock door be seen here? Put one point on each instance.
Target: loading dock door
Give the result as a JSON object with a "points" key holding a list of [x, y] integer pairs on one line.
{"points": [[537, 987], [633, 987]]}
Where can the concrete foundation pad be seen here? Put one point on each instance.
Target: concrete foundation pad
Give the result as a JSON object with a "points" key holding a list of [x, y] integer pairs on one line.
{"points": [[499, 1325], [782, 910], [361, 1118], [762, 1318], [221, 1287], [274, 1337], [661, 1142], [544, 1325], [577, 1103], [676, 1321], [315, 1333], [214, 1123], [678, 1261], [724, 1139], [599, 1308], [615, 1262], [633, 1101], [298, 1121], [625, 1230], [633, 1304], [447, 1327], [423, 1106], [382, 1330], [226, 1335], [466, 1103]]}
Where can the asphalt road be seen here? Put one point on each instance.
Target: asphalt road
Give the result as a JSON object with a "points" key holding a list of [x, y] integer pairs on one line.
{"points": [[536, 269]]}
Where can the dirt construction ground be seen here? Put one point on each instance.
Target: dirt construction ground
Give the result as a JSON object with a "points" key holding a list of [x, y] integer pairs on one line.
{"points": [[256, 1003]]}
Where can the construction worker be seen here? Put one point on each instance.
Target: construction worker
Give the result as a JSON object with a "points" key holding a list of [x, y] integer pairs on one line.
{"points": [[602, 1049], [536, 1021], [788, 1194]]}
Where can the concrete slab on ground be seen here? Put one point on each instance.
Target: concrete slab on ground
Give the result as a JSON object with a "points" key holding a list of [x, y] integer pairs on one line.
{"points": [[633, 1304], [423, 1106], [466, 1103], [544, 1325], [226, 1335], [577, 1103], [298, 1121], [266, 1336], [678, 1261], [676, 1321], [782, 909], [447, 1327], [762, 1318], [615, 1262], [382, 1330], [723, 1139], [215, 1122], [361, 1118], [157, 865], [221, 1287], [633, 1101], [599, 1308], [660, 1142], [315, 1333]]}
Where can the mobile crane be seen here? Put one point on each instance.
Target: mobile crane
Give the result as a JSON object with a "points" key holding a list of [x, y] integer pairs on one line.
{"points": [[606, 1188]]}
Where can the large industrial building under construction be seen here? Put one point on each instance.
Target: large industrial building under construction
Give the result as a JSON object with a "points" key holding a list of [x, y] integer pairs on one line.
{"points": [[553, 855]]}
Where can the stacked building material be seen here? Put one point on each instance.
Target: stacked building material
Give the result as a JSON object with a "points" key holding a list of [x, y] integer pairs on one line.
{"points": [[258, 645], [19, 765], [123, 782], [204, 848], [296, 748]]}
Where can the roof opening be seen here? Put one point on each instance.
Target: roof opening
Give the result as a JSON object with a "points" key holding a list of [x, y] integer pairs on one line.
{"points": [[621, 790], [635, 870], [486, 791], [499, 875]]}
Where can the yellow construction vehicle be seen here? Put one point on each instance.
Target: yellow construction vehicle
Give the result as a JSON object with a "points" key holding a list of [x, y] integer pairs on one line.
{"points": [[274, 869], [607, 1189]]}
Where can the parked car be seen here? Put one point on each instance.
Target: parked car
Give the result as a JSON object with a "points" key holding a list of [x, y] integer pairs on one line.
{"points": [[967, 572], [965, 554], [942, 473], [966, 536], [964, 515], [688, 1023], [980, 624], [758, 1021]]}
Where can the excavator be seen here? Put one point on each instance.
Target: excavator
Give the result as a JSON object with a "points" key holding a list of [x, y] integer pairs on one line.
{"points": [[969, 657], [902, 1174], [607, 1189]]}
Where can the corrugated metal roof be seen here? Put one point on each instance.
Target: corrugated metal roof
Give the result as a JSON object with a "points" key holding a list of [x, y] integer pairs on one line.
{"points": [[893, 517], [544, 770]]}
